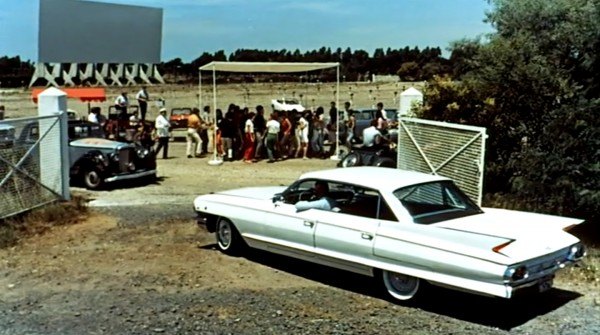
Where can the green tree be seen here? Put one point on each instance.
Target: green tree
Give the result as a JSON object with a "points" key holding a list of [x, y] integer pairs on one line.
{"points": [[409, 71], [534, 84]]}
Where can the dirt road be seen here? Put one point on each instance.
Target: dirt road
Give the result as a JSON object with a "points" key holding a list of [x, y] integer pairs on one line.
{"points": [[140, 265]]}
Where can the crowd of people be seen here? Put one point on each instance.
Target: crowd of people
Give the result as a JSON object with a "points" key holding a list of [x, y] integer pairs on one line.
{"points": [[253, 135]]}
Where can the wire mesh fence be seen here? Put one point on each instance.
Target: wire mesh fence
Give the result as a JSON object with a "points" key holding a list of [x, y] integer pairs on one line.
{"points": [[30, 163], [450, 150]]}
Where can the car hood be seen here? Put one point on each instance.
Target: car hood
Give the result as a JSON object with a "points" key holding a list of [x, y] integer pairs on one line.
{"points": [[263, 193], [532, 234], [99, 143]]}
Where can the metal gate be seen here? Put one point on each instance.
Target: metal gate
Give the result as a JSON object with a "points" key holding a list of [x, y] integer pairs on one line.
{"points": [[451, 150], [31, 163]]}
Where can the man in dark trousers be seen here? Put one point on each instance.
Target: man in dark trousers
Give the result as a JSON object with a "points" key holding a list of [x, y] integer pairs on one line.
{"points": [[142, 98]]}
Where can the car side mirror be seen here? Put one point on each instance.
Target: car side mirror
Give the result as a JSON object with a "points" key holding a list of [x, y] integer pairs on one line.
{"points": [[277, 197]]}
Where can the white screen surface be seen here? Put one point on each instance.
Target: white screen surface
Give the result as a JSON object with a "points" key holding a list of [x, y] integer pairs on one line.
{"points": [[74, 31]]}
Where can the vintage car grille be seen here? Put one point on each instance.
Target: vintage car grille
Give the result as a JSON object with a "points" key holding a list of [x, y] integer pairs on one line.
{"points": [[126, 157]]}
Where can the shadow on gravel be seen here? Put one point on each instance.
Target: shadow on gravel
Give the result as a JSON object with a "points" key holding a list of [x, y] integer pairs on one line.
{"points": [[493, 312], [487, 311]]}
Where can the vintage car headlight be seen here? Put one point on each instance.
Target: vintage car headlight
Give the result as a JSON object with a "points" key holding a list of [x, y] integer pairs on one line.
{"points": [[517, 273], [131, 166], [576, 252], [114, 157], [142, 152]]}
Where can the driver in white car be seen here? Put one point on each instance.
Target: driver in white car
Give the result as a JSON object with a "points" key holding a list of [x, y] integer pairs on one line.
{"points": [[320, 199]]}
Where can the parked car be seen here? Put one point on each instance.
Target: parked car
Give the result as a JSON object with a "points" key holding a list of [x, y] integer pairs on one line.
{"points": [[179, 117], [381, 156], [96, 161], [126, 128], [287, 105], [364, 117], [399, 226], [7, 135]]}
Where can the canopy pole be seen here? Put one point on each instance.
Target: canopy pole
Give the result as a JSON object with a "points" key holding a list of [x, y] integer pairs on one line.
{"points": [[200, 90], [337, 117], [215, 160]]}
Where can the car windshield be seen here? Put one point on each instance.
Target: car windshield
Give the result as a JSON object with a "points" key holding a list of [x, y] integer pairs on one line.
{"points": [[436, 201], [85, 130], [288, 101], [181, 112], [391, 114]]}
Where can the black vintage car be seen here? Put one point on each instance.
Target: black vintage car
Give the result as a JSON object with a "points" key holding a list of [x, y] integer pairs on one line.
{"points": [[96, 161], [380, 156]]}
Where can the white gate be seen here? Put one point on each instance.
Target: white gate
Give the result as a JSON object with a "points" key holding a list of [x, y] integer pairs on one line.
{"points": [[451, 150], [31, 164]]}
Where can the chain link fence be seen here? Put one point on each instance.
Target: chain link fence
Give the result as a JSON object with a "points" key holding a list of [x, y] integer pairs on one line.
{"points": [[31, 168]]}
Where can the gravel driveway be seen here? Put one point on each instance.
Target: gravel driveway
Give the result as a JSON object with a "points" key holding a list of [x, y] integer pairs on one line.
{"points": [[140, 265]]}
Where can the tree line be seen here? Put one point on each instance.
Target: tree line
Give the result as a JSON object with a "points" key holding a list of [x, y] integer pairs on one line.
{"points": [[410, 64]]}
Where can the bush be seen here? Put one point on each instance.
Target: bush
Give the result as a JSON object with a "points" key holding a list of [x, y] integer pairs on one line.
{"points": [[40, 220]]}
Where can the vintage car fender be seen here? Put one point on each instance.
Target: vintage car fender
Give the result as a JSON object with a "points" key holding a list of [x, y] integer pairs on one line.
{"points": [[90, 159]]}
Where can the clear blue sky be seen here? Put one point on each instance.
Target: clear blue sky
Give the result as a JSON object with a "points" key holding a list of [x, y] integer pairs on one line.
{"points": [[191, 27]]}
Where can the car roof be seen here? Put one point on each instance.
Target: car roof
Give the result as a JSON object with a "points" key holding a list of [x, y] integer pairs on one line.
{"points": [[385, 179]]}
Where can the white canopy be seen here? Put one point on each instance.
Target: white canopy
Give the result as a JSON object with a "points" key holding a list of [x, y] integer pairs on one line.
{"points": [[265, 67], [269, 67]]}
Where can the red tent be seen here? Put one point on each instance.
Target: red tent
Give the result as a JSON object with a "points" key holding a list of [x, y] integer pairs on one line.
{"points": [[85, 94]]}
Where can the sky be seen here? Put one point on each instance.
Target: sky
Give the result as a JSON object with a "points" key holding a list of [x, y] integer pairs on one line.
{"points": [[191, 27]]}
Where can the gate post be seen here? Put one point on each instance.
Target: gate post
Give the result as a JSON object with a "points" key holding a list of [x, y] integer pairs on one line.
{"points": [[54, 149]]}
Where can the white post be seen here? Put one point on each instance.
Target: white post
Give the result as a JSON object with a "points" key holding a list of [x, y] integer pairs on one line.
{"points": [[54, 169], [215, 160]]}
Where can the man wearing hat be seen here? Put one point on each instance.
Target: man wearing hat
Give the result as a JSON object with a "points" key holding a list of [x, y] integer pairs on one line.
{"points": [[162, 131]]}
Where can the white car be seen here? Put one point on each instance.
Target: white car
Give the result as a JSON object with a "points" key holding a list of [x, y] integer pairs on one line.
{"points": [[287, 105], [399, 226]]}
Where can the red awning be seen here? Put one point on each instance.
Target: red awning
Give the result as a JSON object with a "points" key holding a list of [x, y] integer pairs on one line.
{"points": [[84, 94]]}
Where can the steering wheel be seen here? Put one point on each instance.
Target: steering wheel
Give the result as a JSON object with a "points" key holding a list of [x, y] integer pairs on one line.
{"points": [[306, 195]]}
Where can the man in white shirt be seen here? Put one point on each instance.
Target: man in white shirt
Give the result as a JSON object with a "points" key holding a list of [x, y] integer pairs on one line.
{"points": [[93, 115], [273, 128], [121, 104], [142, 98], [320, 201], [162, 132], [371, 136]]}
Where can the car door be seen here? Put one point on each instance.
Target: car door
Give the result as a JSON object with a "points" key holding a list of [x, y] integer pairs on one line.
{"points": [[287, 230], [348, 236]]}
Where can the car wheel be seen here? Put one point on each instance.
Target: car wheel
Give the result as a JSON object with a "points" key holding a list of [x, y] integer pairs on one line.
{"points": [[343, 151], [229, 239], [384, 162], [92, 179], [352, 159], [400, 286]]}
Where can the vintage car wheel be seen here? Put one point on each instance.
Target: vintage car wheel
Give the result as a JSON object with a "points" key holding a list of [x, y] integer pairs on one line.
{"points": [[343, 151], [351, 159], [384, 162], [92, 178], [400, 286], [229, 240]]}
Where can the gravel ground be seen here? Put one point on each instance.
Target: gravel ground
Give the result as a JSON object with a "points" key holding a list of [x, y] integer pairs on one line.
{"points": [[140, 265]]}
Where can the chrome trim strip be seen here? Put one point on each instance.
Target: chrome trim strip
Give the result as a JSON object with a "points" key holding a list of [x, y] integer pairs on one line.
{"points": [[130, 176]]}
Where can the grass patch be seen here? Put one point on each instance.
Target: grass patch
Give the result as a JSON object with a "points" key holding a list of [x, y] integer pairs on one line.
{"points": [[588, 270], [40, 220]]}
